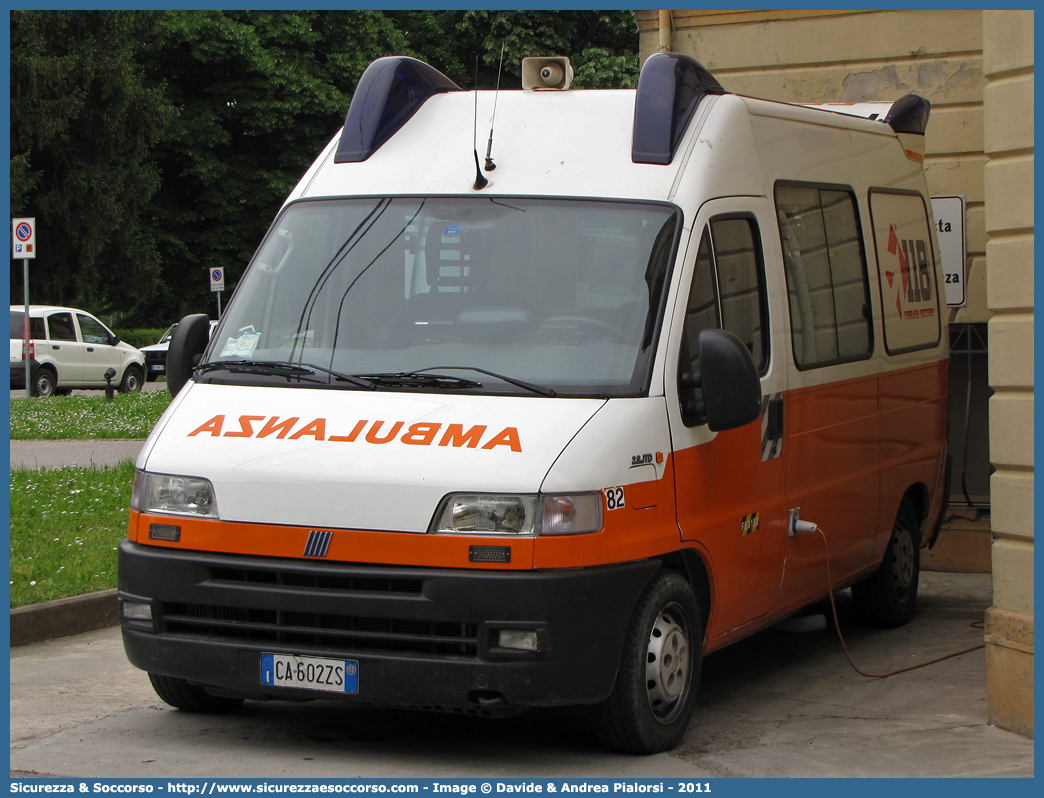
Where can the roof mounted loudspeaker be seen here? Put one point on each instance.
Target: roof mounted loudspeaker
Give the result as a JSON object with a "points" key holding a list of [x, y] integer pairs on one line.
{"points": [[390, 91], [909, 114], [546, 73], [670, 88]]}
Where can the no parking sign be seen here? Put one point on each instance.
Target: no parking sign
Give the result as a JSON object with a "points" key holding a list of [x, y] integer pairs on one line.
{"points": [[23, 238], [217, 279]]}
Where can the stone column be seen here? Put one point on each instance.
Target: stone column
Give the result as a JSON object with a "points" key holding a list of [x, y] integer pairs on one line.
{"points": [[1008, 138]]}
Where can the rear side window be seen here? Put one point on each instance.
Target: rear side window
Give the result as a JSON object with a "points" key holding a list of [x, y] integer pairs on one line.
{"points": [[60, 327], [906, 266], [827, 285]]}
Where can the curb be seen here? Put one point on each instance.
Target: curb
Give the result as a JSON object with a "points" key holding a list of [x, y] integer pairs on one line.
{"points": [[68, 616]]}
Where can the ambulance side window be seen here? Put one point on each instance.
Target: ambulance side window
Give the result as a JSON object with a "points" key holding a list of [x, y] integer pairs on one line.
{"points": [[727, 292], [728, 289], [701, 311], [741, 283], [829, 293]]}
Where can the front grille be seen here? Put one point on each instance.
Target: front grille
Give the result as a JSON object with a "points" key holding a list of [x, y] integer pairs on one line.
{"points": [[278, 628], [318, 581]]}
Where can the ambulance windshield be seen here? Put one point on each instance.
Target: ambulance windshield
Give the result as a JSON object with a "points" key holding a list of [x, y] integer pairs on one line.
{"points": [[565, 295]]}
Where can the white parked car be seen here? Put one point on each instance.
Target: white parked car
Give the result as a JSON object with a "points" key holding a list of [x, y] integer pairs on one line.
{"points": [[70, 348], [156, 354]]}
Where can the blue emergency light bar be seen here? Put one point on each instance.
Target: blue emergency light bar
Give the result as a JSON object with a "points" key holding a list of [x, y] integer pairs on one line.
{"points": [[909, 114], [390, 91], [670, 88]]}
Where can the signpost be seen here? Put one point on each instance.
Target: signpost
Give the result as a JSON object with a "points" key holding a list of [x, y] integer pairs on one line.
{"points": [[217, 284], [23, 245]]}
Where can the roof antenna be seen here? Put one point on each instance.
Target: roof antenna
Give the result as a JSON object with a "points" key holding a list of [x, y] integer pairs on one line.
{"points": [[480, 181], [490, 166]]}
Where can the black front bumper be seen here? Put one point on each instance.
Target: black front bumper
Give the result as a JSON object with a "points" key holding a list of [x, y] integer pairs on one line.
{"points": [[422, 637], [156, 362]]}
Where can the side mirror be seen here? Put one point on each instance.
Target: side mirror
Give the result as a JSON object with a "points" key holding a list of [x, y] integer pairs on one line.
{"points": [[190, 338], [728, 381]]}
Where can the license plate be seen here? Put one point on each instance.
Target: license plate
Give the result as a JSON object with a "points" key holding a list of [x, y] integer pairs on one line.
{"points": [[310, 673], [156, 367]]}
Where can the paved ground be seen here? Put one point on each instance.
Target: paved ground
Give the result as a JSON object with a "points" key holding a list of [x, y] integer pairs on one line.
{"points": [[55, 454], [780, 704]]}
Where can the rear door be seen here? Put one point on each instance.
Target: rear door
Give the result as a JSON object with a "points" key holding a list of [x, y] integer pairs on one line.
{"points": [[729, 485], [63, 347]]}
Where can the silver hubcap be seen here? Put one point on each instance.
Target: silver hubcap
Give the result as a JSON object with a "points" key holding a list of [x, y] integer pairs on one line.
{"points": [[903, 556], [668, 664]]}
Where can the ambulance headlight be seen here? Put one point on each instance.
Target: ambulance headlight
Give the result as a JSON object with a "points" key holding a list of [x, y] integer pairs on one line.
{"points": [[168, 494], [518, 514], [487, 514]]}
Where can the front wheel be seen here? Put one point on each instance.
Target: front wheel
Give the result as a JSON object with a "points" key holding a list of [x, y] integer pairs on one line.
{"points": [[181, 694], [887, 597], [652, 700], [132, 380]]}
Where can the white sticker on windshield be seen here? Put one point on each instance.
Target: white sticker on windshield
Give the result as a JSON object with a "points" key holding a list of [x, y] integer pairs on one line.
{"points": [[248, 342], [243, 345]]}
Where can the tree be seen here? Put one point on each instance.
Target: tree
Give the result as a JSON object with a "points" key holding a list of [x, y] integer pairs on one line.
{"points": [[601, 45], [153, 146], [257, 96], [83, 122]]}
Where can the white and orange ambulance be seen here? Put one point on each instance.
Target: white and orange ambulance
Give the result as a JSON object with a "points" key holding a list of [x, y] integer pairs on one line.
{"points": [[549, 429]]}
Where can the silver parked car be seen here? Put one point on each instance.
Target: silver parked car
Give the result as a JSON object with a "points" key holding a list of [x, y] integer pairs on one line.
{"points": [[70, 348]]}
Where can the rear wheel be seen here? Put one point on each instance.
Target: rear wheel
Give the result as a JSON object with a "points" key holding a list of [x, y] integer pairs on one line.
{"points": [[179, 693], [887, 597], [652, 700], [44, 382]]}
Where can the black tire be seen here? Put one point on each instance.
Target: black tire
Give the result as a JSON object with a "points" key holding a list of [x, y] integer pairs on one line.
{"points": [[180, 694], [132, 380], [150, 376], [44, 382], [649, 708], [887, 597]]}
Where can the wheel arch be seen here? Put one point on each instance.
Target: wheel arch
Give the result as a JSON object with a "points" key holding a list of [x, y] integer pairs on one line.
{"points": [[918, 496], [46, 367], [691, 566], [49, 368]]}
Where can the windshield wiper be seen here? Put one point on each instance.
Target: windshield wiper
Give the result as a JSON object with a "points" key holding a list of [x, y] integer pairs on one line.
{"points": [[300, 371], [422, 377], [418, 379]]}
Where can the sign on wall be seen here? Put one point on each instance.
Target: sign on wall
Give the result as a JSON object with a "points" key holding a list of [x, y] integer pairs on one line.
{"points": [[949, 230]]}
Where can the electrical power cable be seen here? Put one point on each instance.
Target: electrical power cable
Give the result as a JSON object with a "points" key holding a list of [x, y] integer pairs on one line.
{"points": [[848, 656]]}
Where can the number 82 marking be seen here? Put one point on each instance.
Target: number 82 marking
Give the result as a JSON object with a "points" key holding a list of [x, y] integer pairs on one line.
{"points": [[614, 498]]}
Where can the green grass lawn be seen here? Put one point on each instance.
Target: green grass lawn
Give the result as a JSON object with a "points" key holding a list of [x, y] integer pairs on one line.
{"points": [[67, 522], [65, 526], [129, 415]]}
